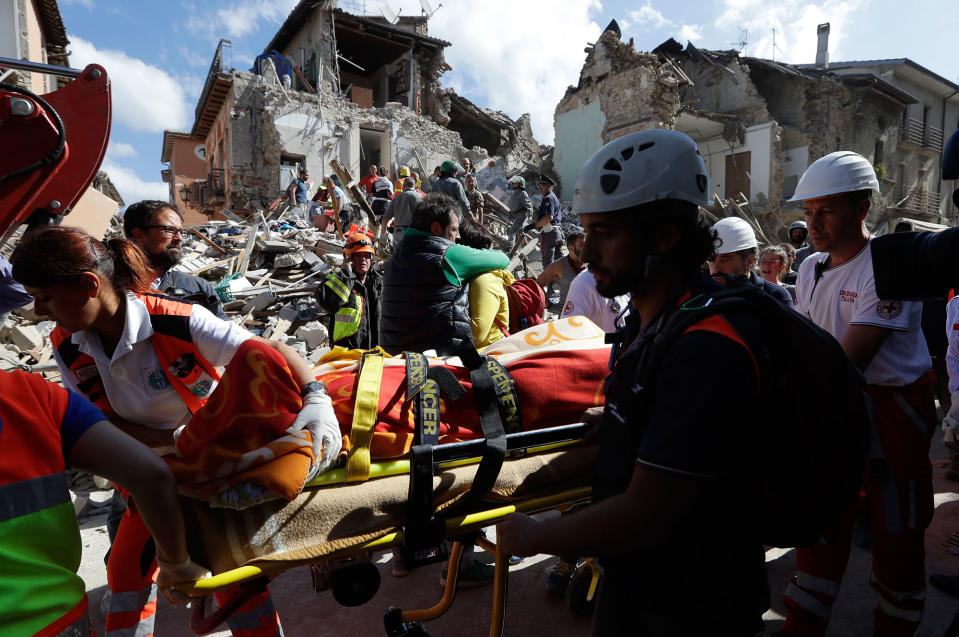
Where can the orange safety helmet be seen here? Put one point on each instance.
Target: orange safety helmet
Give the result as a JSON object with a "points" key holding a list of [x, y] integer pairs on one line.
{"points": [[358, 242]]}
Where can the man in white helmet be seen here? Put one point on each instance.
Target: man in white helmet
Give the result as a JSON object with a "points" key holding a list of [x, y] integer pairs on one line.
{"points": [[736, 256], [836, 290], [667, 463]]}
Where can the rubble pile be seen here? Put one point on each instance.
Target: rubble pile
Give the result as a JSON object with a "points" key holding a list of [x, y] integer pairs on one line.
{"points": [[264, 271]]}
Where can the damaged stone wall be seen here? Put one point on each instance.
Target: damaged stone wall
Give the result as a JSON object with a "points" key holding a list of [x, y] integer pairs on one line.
{"points": [[620, 90]]}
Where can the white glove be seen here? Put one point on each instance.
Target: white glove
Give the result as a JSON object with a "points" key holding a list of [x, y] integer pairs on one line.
{"points": [[318, 418]]}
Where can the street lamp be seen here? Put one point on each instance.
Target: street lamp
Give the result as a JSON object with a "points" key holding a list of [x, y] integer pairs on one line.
{"points": [[185, 193]]}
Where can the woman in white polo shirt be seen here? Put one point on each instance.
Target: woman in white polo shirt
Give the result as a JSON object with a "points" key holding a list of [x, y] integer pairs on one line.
{"points": [[111, 337]]}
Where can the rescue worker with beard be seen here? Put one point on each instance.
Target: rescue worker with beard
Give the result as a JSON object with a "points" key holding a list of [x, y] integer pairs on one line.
{"points": [[156, 227], [668, 520]]}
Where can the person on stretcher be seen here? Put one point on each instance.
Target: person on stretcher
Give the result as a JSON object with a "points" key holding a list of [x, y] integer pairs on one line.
{"points": [[150, 363]]}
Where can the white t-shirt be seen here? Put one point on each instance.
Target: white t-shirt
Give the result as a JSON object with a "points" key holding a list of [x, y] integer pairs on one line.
{"points": [[846, 295], [583, 300], [952, 336], [133, 378]]}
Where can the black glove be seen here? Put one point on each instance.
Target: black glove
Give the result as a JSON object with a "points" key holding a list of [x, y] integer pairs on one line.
{"points": [[528, 227]]}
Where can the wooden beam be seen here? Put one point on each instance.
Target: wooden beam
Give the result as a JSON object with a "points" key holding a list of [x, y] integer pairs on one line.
{"points": [[199, 235]]}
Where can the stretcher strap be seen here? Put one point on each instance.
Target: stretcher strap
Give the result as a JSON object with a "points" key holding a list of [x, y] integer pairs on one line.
{"points": [[423, 387], [364, 415], [506, 396], [489, 416]]}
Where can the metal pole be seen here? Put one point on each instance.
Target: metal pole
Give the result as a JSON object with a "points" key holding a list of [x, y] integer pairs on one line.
{"points": [[49, 69]]}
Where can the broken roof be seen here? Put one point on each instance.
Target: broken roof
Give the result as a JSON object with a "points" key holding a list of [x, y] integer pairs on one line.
{"points": [[893, 62], [298, 17], [808, 71], [51, 22]]}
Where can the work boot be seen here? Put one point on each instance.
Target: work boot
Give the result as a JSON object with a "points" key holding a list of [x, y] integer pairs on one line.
{"points": [[476, 574], [558, 576]]}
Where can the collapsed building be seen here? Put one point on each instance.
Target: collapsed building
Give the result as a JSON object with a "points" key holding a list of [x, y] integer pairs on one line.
{"points": [[335, 86], [760, 123]]}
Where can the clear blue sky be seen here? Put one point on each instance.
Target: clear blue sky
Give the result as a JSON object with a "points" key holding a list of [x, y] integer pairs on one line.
{"points": [[515, 56]]}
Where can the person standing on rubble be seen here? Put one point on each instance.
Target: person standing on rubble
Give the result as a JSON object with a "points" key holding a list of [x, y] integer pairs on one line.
{"points": [[566, 269], [341, 205], [366, 183], [837, 291], [299, 192], [520, 207], [156, 227], [548, 221], [425, 302], [352, 297], [475, 197], [400, 211], [448, 185], [381, 194], [667, 465], [111, 336]]}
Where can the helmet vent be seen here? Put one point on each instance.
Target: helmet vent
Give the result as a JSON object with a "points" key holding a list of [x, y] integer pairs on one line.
{"points": [[627, 153], [609, 182], [612, 164], [702, 181], [643, 147]]}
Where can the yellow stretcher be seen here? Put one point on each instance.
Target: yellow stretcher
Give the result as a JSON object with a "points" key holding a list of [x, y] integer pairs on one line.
{"points": [[339, 525]]}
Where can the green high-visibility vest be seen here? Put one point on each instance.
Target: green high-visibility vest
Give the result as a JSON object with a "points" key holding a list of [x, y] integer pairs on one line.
{"points": [[346, 321]]}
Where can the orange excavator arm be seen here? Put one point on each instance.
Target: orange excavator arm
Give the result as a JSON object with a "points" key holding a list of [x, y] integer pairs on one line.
{"points": [[52, 144]]}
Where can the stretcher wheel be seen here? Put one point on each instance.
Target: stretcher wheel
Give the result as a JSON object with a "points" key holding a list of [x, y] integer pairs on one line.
{"points": [[578, 591], [355, 585]]}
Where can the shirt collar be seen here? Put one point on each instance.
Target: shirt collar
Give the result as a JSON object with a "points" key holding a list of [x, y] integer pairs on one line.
{"points": [[136, 328]]}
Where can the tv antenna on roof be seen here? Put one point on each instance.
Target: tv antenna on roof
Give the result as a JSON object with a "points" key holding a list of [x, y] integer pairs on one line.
{"points": [[743, 42], [428, 9], [775, 48], [391, 16]]}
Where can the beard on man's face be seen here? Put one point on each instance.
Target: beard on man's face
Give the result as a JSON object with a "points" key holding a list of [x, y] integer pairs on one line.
{"points": [[166, 259]]}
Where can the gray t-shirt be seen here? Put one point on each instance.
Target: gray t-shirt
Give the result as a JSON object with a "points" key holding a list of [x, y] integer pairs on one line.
{"points": [[401, 208]]}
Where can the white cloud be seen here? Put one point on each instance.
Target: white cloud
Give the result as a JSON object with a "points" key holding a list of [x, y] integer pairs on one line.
{"points": [[649, 18], [795, 23], [131, 187], [121, 150], [145, 98], [517, 57], [689, 32], [243, 18]]}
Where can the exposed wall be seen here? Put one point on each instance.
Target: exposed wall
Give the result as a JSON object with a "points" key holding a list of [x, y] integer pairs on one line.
{"points": [[579, 133], [266, 123]]}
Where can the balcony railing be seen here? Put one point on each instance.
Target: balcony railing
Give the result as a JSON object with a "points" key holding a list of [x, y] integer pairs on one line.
{"points": [[216, 184], [919, 201], [913, 133], [222, 63]]}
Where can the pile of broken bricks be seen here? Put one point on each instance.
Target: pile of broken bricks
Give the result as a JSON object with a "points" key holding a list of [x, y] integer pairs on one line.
{"points": [[265, 271]]}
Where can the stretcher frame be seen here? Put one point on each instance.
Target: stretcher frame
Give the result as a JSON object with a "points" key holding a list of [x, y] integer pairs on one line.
{"points": [[397, 621]]}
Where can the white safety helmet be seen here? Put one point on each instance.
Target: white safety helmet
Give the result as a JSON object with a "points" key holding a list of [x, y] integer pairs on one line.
{"points": [[734, 234], [645, 166], [798, 224], [841, 171]]}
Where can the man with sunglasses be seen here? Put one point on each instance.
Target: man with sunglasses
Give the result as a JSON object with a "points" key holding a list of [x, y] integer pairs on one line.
{"points": [[352, 296], [156, 227]]}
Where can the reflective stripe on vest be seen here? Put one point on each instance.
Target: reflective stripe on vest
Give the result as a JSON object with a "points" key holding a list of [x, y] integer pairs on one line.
{"points": [[346, 321], [39, 555], [190, 374], [338, 287]]}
